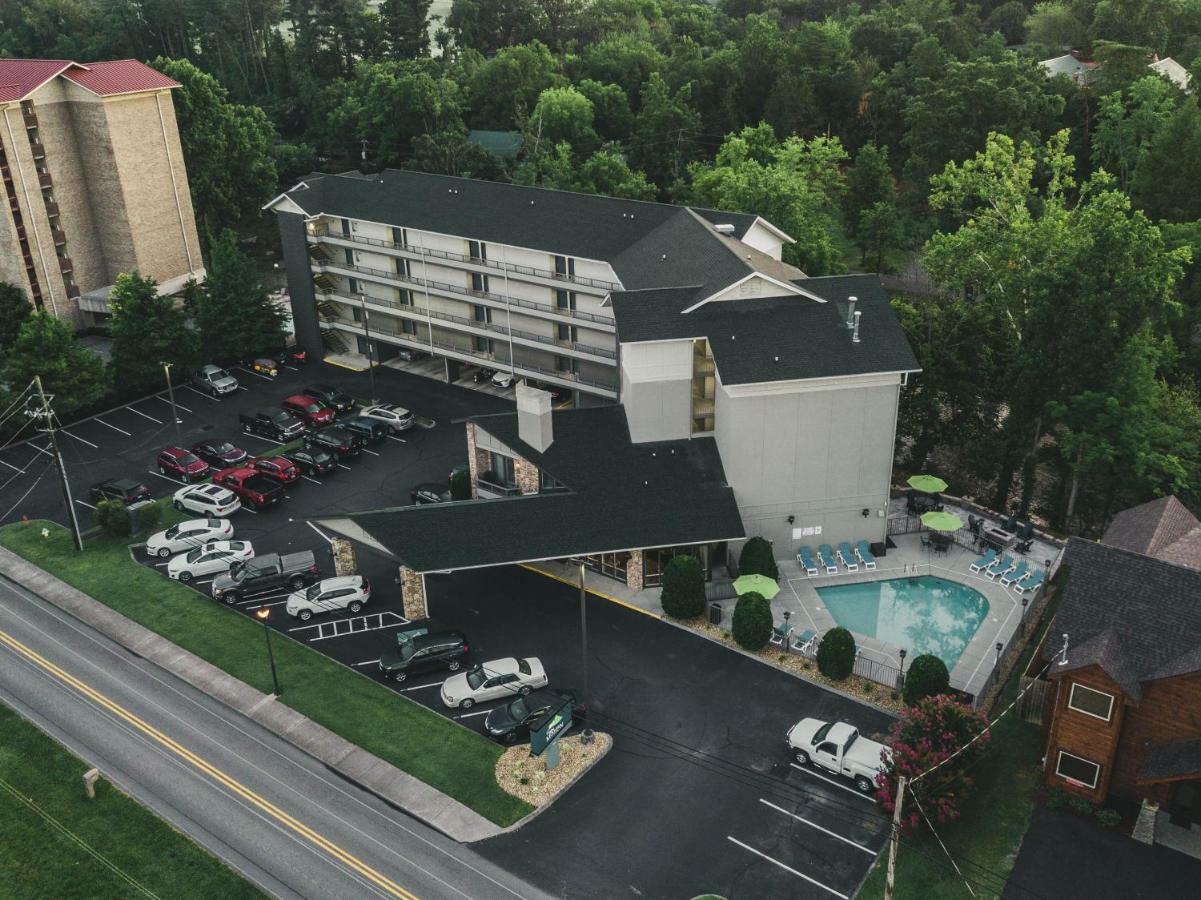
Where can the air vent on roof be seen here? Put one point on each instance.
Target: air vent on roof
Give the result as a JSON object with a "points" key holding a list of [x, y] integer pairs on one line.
{"points": [[851, 301], [664, 256], [725, 228], [855, 328]]}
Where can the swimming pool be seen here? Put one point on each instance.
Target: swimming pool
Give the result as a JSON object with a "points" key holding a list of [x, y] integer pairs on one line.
{"points": [[921, 615]]}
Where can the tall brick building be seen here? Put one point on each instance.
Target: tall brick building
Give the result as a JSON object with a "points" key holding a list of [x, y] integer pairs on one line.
{"points": [[94, 183]]}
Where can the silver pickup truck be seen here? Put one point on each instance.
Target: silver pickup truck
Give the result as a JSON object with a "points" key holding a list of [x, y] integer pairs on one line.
{"points": [[839, 748]]}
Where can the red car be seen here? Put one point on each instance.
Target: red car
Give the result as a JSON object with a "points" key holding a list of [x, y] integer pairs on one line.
{"points": [[308, 410], [176, 462], [277, 468]]}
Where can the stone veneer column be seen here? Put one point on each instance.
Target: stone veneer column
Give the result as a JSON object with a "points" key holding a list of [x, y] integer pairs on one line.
{"points": [[477, 461], [412, 594], [526, 474], [634, 571]]}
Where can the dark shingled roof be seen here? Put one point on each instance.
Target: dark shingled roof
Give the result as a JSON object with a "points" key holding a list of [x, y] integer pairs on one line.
{"points": [[776, 338], [1136, 617], [619, 496], [1150, 527], [1178, 759]]}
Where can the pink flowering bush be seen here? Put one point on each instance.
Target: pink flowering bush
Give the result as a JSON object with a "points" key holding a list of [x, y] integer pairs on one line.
{"points": [[926, 734]]}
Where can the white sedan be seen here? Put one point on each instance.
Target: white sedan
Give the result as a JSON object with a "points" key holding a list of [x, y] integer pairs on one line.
{"points": [[399, 418], [503, 379], [492, 681], [206, 499], [188, 536], [213, 557]]}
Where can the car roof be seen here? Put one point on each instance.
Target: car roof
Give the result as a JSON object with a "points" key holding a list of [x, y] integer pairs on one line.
{"points": [[174, 451], [506, 666], [545, 696], [439, 637], [340, 581], [211, 490], [123, 482], [210, 367], [840, 732], [301, 398]]}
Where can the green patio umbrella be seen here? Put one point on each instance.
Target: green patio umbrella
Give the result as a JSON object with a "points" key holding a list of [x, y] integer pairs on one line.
{"points": [[756, 584], [942, 521], [927, 484]]}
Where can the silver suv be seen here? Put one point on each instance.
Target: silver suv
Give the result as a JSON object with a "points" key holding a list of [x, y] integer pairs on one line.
{"points": [[330, 595], [214, 380]]}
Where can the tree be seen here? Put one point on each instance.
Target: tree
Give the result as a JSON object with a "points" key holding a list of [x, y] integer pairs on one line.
{"points": [[406, 27], [663, 131], [605, 173], [235, 315], [752, 623], [927, 677], [757, 558], [924, 736], [683, 593], [562, 114], [878, 231], [1053, 27], [868, 182], [460, 484], [504, 90], [491, 25], [1128, 122], [15, 308], [1165, 182], [451, 153], [227, 147], [836, 654], [113, 517], [46, 346], [611, 114], [149, 329], [1010, 20]]}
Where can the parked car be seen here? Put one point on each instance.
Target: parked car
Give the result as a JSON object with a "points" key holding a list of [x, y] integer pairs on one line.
{"points": [[429, 492], [483, 375], [337, 441], [206, 499], [399, 418], [369, 430], [218, 453], [292, 354], [313, 461], [124, 489], [312, 412], [214, 380], [329, 595], [493, 680], [265, 573], [277, 468], [503, 379], [215, 556], [516, 719], [408, 654], [839, 748], [557, 394], [341, 401], [188, 535], [273, 424], [263, 365], [176, 462], [254, 490]]}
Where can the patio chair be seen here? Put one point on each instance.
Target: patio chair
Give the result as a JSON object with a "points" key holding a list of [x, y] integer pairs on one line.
{"points": [[827, 557], [984, 561], [1023, 547], [1010, 524], [847, 558], [1000, 568], [1016, 574], [804, 557], [779, 634], [806, 642], [1026, 533], [864, 552], [1030, 582]]}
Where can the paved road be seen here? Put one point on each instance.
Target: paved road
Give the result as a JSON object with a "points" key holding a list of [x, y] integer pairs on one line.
{"points": [[271, 812]]}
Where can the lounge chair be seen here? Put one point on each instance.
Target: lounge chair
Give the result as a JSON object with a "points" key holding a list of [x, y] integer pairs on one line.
{"points": [[1029, 583], [804, 557], [984, 561], [1000, 568], [864, 552], [1017, 573], [827, 557], [779, 634], [847, 558], [805, 643]]}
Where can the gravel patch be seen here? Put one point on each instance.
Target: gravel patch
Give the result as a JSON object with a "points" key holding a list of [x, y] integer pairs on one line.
{"points": [[525, 776]]}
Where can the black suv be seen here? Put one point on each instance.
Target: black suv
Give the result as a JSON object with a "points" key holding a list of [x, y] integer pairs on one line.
{"points": [[340, 401], [313, 461], [369, 430], [336, 441], [514, 721], [411, 654], [124, 489]]}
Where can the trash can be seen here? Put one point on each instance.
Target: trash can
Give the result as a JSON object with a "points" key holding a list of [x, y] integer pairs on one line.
{"points": [[879, 549], [715, 613]]}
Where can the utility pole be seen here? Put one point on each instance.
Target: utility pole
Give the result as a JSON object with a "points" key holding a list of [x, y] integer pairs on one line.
{"points": [[894, 839], [367, 332], [48, 415], [171, 393], [586, 736]]}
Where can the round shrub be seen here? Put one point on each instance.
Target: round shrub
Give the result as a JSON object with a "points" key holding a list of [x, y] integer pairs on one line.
{"points": [[757, 559], [752, 621], [927, 677], [836, 654], [148, 516], [683, 594], [112, 517]]}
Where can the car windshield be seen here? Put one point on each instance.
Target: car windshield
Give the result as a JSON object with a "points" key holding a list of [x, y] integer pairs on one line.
{"points": [[476, 677], [519, 709], [407, 649], [523, 666], [186, 459], [196, 554], [171, 532], [218, 374], [311, 407], [221, 447], [313, 593], [820, 734]]}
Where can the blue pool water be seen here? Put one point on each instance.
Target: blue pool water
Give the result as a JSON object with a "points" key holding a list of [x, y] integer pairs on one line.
{"points": [[922, 615]]}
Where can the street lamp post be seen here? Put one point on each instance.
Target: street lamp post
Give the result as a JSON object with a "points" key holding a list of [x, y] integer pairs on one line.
{"points": [[263, 614], [586, 736], [367, 332], [902, 653], [1000, 647], [171, 393]]}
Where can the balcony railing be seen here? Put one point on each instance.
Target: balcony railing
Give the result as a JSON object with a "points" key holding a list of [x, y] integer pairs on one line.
{"points": [[321, 231], [31, 118], [65, 265], [460, 291], [419, 312], [39, 151], [60, 236], [45, 180], [495, 486], [51, 208], [72, 290]]}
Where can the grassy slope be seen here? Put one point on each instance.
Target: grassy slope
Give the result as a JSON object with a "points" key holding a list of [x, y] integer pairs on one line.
{"points": [[450, 758], [36, 860]]}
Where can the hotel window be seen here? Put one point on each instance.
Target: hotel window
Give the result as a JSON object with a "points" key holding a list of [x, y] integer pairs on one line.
{"points": [[346, 226], [1090, 702], [349, 256], [408, 326], [564, 266], [564, 299], [477, 250], [1078, 770], [354, 285], [398, 236], [479, 282]]}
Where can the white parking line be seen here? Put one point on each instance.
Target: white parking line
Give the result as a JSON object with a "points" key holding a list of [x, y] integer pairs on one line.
{"points": [[340, 466], [421, 687], [113, 427], [812, 881], [482, 712], [314, 480], [259, 437], [78, 438], [372, 452], [265, 605], [261, 599], [366, 662], [857, 793], [255, 374], [11, 466], [204, 581], [201, 393], [177, 403], [88, 505], [164, 477], [402, 440], [41, 450], [327, 538], [846, 840], [253, 512], [162, 564], [293, 368], [143, 415]]}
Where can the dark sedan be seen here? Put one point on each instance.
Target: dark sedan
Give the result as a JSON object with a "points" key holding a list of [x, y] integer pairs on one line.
{"points": [[124, 489], [514, 721], [335, 440], [313, 461], [369, 430], [483, 375], [429, 492], [341, 401], [219, 454]]}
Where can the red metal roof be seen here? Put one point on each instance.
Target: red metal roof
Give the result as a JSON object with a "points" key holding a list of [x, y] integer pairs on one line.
{"points": [[20, 77]]}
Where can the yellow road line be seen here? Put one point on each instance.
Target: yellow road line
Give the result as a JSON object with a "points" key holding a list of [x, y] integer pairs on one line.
{"points": [[594, 592], [216, 774]]}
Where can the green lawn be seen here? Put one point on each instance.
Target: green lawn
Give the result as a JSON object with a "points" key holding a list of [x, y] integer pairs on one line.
{"points": [[446, 756], [38, 860]]}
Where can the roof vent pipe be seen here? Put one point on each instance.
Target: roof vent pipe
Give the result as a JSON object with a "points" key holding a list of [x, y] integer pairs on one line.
{"points": [[855, 328], [851, 301]]}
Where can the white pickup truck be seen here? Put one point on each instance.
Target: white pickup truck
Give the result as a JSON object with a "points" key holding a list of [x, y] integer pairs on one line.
{"points": [[838, 748]]}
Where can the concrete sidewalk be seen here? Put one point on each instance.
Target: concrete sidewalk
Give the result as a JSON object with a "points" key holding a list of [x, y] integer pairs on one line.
{"points": [[373, 774]]}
